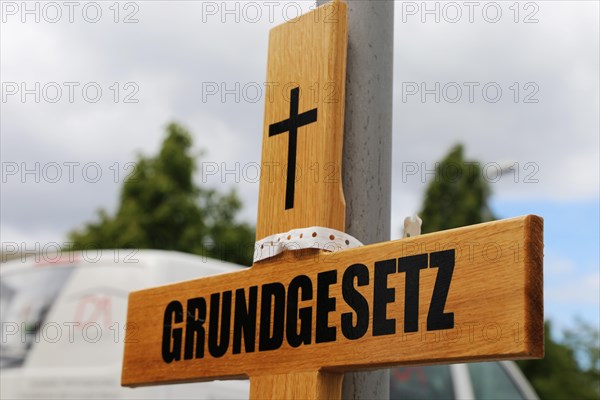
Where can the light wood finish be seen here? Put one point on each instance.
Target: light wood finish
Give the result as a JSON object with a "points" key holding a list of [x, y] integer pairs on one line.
{"points": [[190, 331], [297, 385], [495, 294], [308, 53]]}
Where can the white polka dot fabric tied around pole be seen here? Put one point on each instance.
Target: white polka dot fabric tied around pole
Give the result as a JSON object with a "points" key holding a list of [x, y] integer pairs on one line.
{"points": [[315, 237]]}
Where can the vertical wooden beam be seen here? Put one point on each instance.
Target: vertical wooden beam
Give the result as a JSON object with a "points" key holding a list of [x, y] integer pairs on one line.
{"points": [[310, 385], [303, 124], [316, 76]]}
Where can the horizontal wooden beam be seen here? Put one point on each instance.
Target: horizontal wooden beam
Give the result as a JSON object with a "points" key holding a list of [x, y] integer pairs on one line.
{"points": [[466, 294]]}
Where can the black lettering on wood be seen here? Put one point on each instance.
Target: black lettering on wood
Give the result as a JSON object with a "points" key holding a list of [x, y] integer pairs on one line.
{"points": [[194, 328], [304, 314], [412, 266], [436, 318], [352, 297], [272, 294], [217, 347], [382, 295], [173, 315], [244, 320], [325, 305]]}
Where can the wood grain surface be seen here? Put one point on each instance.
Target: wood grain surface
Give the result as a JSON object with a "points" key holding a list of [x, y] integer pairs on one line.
{"points": [[308, 54], [297, 385], [294, 323], [494, 295]]}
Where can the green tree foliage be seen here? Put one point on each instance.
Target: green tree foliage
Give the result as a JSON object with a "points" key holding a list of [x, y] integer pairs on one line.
{"points": [[162, 208], [584, 339], [558, 375], [458, 195]]}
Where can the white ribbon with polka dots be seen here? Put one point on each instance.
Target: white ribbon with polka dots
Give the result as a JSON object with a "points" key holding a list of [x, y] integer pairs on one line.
{"points": [[315, 237]]}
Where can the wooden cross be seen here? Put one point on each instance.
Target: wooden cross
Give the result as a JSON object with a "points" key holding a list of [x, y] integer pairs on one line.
{"points": [[295, 322]]}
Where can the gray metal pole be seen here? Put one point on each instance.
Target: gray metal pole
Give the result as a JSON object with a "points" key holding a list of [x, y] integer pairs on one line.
{"points": [[367, 163]]}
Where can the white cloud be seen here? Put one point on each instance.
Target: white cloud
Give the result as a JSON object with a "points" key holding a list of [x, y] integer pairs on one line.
{"points": [[583, 290], [176, 47], [556, 266]]}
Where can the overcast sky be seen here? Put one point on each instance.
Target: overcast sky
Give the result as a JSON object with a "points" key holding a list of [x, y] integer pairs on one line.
{"points": [[87, 87]]}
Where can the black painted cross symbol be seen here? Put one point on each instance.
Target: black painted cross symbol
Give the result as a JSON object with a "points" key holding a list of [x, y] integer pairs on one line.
{"points": [[291, 125]]}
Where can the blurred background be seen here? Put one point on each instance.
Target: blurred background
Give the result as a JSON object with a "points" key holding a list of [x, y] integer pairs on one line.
{"points": [[124, 118]]}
